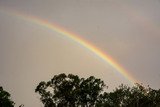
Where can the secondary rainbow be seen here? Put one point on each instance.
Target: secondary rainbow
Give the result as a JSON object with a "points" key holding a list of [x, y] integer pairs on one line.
{"points": [[75, 37]]}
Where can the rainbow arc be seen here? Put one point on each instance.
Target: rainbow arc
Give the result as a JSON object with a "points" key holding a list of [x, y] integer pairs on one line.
{"points": [[75, 37]]}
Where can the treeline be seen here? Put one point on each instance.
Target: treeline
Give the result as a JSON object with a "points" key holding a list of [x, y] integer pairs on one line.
{"points": [[72, 91]]}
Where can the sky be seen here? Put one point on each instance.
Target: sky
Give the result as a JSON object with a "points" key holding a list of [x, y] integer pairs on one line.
{"points": [[127, 30]]}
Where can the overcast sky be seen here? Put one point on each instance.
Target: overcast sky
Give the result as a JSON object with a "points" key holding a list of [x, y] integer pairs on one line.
{"points": [[128, 30]]}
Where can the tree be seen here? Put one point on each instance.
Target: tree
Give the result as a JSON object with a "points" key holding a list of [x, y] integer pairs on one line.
{"points": [[70, 91], [136, 96], [5, 100]]}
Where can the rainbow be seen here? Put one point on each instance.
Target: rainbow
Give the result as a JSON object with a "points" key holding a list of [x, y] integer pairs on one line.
{"points": [[75, 37]]}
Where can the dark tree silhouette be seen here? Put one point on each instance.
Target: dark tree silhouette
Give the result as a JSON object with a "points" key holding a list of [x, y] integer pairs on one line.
{"points": [[70, 91], [136, 96], [5, 100]]}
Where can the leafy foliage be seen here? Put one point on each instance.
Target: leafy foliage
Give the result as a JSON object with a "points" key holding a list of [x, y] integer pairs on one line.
{"points": [[137, 96], [5, 100], [70, 91]]}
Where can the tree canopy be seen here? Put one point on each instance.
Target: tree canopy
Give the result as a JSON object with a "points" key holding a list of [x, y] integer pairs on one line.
{"points": [[125, 96], [72, 91], [5, 100]]}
